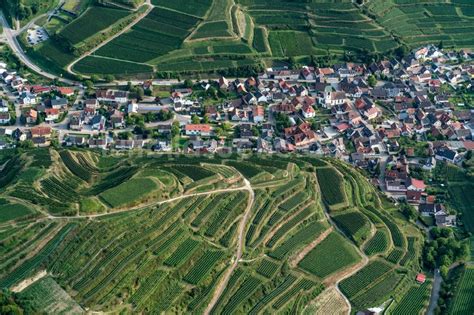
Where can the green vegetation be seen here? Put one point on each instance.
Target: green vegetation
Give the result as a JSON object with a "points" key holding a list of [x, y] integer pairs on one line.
{"points": [[414, 300], [93, 21], [219, 37], [464, 301], [129, 234], [13, 211], [331, 185], [128, 192], [354, 224], [330, 256], [377, 244]]}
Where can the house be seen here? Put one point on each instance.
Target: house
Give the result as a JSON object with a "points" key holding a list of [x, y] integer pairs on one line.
{"points": [[18, 135], [223, 83], [76, 140], [414, 184], [128, 144], [52, 114], [91, 103], [4, 118], [41, 131], [112, 96], [258, 114], [429, 209], [98, 122], [446, 154], [443, 219], [27, 99], [420, 278], [65, 91], [76, 122], [98, 143], [198, 130], [31, 116], [308, 111], [59, 103], [117, 119]]}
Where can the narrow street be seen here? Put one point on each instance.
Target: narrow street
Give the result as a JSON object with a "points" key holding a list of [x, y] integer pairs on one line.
{"points": [[435, 293]]}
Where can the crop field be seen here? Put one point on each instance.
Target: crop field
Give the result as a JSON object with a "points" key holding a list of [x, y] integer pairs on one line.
{"points": [[414, 301], [331, 185], [128, 192], [181, 36], [13, 211], [47, 296], [378, 243], [330, 256], [366, 276], [464, 301], [354, 224], [127, 234], [93, 21], [160, 32]]}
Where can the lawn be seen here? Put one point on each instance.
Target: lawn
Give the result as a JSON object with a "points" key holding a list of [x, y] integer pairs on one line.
{"points": [[128, 192]]}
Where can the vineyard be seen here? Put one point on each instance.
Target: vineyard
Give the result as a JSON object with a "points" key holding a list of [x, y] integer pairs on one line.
{"points": [[159, 235], [210, 36]]}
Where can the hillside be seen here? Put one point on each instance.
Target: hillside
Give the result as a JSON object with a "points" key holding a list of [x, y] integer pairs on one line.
{"points": [[178, 234], [244, 35]]}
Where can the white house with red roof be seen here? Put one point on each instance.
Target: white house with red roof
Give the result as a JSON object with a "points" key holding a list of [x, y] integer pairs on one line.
{"points": [[416, 184], [197, 130]]}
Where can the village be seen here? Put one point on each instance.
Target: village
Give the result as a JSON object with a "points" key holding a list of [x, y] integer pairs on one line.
{"points": [[396, 119]]}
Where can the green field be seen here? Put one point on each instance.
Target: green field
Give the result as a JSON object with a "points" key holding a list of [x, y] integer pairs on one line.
{"points": [[93, 21], [464, 300], [183, 36], [330, 256], [128, 192], [123, 233], [13, 211]]}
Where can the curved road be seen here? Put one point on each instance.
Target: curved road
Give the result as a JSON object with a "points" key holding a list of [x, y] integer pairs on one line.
{"points": [[10, 35]]}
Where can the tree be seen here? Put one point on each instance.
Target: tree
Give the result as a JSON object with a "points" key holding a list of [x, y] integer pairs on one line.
{"points": [[195, 119], [95, 78], [205, 119], [140, 93], [175, 130], [188, 83], [109, 78], [372, 80], [409, 211]]}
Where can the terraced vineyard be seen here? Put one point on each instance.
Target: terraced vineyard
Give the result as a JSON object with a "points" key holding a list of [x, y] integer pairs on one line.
{"points": [[182, 234], [246, 35]]}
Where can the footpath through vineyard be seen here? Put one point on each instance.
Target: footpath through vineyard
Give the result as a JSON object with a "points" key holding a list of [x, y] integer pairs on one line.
{"points": [[240, 245]]}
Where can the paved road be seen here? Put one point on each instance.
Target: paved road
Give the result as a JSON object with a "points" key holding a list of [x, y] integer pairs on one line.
{"points": [[18, 51], [435, 293]]}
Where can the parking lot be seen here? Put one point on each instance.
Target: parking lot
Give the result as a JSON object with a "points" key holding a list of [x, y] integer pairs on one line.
{"points": [[36, 35]]}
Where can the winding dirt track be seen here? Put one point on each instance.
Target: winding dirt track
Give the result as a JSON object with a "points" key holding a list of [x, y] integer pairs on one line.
{"points": [[240, 245], [108, 40]]}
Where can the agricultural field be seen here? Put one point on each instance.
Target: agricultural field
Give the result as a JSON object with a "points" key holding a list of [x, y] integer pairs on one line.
{"points": [[160, 235], [464, 301], [183, 36]]}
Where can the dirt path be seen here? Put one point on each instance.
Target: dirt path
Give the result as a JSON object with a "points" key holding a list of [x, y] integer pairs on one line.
{"points": [[29, 281], [125, 29], [240, 245], [296, 259], [141, 207], [347, 272]]}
